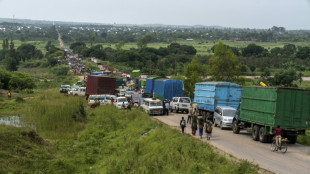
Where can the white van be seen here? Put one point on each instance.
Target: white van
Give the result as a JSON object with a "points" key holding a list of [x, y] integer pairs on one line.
{"points": [[152, 106], [120, 101], [96, 98], [182, 104], [78, 91]]}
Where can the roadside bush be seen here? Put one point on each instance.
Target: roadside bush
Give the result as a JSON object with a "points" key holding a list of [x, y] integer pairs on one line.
{"points": [[20, 81], [19, 99], [61, 70]]}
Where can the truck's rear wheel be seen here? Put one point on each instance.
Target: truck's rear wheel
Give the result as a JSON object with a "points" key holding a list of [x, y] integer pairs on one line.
{"points": [[262, 136], [236, 128], [255, 133], [292, 139]]}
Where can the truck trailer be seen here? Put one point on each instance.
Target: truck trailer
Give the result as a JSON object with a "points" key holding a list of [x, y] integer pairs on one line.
{"points": [[100, 85], [262, 109], [209, 95]]}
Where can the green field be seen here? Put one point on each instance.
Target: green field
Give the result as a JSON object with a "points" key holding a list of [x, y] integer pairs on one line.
{"points": [[70, 138], [204, 47]]}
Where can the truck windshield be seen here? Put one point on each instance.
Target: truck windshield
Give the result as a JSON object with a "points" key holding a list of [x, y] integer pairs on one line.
{"points": [[229, 113], [155, 104], [122, 100]]}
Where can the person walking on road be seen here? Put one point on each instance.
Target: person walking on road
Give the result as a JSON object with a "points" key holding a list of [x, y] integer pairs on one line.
{"points": [[167, 105], [183, 124], [200, 127], [208, 129], [112, 100], [194, 124]]}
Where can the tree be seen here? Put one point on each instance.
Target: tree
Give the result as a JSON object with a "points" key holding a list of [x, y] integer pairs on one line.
{"points": [[28, 51], [224, 64], [194, 73], [92, 39], [5, 77], [119, 45], [21, 81], [78, 47], [288, 50], [61, 70], [303, 53], [254, 50], [142, 43]]}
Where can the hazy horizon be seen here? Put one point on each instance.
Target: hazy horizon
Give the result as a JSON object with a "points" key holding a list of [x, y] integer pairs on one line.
{"points": [[259, 14]]}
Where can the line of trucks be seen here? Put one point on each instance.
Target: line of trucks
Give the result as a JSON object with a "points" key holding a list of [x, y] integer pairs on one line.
{"points": [[259, 109]]}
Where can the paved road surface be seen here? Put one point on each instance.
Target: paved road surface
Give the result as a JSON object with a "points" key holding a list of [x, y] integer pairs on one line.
{"points": [[295, 161]]}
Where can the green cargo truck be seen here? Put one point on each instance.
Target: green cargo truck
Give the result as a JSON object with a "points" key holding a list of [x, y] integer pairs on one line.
{"points": [[262, 109]]}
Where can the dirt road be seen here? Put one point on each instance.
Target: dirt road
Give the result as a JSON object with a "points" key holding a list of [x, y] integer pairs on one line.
{"points": [[296, 160]]}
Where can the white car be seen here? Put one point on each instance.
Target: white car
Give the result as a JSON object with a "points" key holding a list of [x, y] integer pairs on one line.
{"points": [[120, 101], [78, 91], [109, 97], [182, 104], [223, 116], [152, 106]]}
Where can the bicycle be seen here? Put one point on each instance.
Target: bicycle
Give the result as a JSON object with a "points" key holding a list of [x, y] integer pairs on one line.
{"points": [[282, 147]]}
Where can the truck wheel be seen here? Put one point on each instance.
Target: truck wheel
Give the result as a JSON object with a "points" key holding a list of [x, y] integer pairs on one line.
{"points": [[292, 139], [255, 133], [186, 111], [236, 128], [262, 136]]}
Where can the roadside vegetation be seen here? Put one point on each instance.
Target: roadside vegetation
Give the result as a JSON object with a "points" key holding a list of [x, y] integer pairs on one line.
{"points": [[105, 140]]}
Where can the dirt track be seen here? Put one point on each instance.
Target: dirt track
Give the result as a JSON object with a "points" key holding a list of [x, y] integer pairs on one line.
{"points": [[296, 160]]}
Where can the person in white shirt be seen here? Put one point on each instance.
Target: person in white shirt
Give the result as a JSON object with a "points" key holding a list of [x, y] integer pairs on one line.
{"points": [[167, 107]]}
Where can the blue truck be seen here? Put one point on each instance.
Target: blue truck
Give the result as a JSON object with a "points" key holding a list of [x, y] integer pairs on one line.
{"points": [[209, 95], [167, 88]]}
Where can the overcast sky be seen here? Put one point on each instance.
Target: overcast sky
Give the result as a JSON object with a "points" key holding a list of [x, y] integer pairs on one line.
{"points": [[291, 14]]}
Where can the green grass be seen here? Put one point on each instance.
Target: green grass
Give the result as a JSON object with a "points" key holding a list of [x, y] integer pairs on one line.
{"points": [[113, 141], [203, 47], [304, 139], [55, 115]]}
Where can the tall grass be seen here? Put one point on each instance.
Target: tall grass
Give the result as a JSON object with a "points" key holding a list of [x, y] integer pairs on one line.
{"points": [[130, 142], [55, 115]]}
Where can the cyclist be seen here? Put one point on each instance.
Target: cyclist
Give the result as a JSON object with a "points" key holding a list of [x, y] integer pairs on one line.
{"points": [[278, 137]]}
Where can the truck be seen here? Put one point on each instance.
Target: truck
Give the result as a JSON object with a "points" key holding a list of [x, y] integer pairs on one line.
{"points": [[209, 95], [262, 109], [135, 74], [100, 85], [149, 87], [168, 88]]}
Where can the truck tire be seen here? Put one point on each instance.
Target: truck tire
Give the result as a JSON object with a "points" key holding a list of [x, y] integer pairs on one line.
{"points": [[236, 128], [255, 133], [262, 136], [292, 139]]}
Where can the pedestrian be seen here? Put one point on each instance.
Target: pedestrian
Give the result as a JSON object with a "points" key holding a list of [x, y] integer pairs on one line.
{"points": [[200, 127], [9, 94], [167, 105], [183, 124], [164, 107], [129, 107], [208, 129], [112, 100], [123, 105], [194, 125]]}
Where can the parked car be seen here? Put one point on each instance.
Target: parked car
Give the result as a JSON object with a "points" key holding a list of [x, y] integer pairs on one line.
{"points": [[152, 106], [182, 104], [96, 98], [223, 116], [64, 88], [120, 101]]}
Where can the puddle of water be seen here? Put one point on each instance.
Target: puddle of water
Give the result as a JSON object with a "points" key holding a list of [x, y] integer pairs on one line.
{"points": [[14, 121]]}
